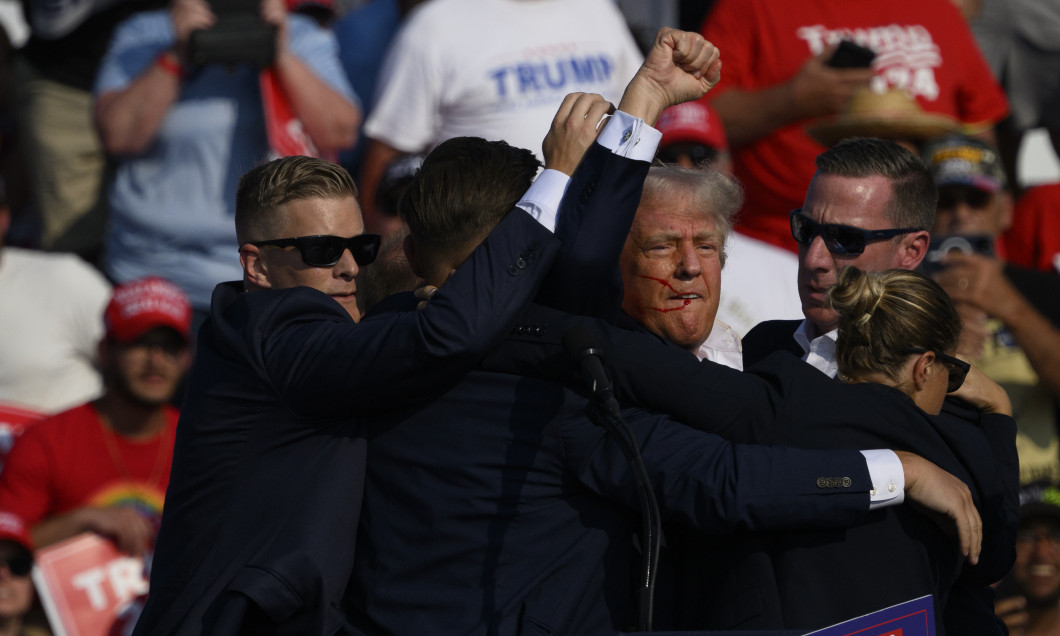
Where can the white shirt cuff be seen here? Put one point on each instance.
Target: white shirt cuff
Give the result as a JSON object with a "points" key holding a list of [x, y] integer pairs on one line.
{"points": [[888, 478], [628, 136], [542, 200]]}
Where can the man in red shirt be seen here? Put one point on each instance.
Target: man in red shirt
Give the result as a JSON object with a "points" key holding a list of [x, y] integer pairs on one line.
{"points": [[103, 466], [777, 80]]}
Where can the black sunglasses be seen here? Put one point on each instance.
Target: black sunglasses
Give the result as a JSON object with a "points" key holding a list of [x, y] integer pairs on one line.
{"points": [[975, 198], [325, 251], [957, 368], [839, 239], [18, 565]]}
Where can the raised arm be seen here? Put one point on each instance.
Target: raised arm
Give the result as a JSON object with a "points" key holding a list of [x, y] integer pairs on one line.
{"points": [[680, 67]]}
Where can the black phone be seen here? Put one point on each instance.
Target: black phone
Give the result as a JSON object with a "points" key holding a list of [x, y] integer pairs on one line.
{"points": [[943, 244], [238, 36], [851, 55]]}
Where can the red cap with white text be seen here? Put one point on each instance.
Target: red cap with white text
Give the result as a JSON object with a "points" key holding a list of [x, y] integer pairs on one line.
{"points": [[141, 305], [13, 528]]}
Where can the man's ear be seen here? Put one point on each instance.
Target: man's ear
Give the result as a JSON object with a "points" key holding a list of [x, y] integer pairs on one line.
{"points": [[923, 368], [254, 267], [914, 249], [409, 247]]}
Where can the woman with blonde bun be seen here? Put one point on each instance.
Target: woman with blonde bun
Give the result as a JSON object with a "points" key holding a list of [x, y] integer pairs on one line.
{"points": [[899, 328]]}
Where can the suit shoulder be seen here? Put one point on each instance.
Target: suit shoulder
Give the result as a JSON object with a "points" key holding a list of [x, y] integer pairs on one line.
{"points": [[767, 337]]}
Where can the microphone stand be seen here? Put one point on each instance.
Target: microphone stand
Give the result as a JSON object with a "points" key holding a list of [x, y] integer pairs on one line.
{"points": [[651, 520], [604, 411]]}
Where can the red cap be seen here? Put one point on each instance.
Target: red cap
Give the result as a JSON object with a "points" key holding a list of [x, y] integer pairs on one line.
{"points": [[694, 122], [12, 528], [141, 305]]}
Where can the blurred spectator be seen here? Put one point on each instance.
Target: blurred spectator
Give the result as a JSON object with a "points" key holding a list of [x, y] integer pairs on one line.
{"points": [[50, 316], [496, 70], [183, 134], [52, 102], [893, 115], [364, 36], [1019, 40], [390, 273], [1029, 598], [693, 135], [103, 466], [756, 280], [16, 587], [1011, 315], [1033, 239], [777, 79]]}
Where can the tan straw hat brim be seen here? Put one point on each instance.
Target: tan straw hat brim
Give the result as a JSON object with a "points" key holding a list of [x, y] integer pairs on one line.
{"points": [[895, 126]]}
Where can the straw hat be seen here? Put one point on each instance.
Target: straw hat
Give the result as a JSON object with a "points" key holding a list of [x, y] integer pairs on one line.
{"points": [[891, 115]]}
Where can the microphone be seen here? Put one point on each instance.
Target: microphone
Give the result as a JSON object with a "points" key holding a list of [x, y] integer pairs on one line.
{"points": [[580, 345]]}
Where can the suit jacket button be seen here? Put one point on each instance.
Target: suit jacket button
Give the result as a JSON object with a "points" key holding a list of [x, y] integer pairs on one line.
{"points": [[513, 270], [821, 482], [537, 331], [520, 263], [846, 482]]}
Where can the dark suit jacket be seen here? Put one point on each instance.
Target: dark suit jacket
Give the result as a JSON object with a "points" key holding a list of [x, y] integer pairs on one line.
{"points": [[820, 577], [970, 607], [262, 507], [767, 337], [499, 508]]}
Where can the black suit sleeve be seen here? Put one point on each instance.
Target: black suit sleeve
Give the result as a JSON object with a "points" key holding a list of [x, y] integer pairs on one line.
{"points": [[649, 372], [721, 487], [768, 337], [594, 220], [324, 365]]}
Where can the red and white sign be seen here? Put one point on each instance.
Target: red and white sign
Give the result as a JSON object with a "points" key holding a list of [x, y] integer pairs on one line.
{"points": [[84, 582], [286, 134]]}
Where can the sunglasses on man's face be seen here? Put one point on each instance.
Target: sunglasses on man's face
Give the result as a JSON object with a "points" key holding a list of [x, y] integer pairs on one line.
{"points": [[957, 368], [18, 565], [975, 198], [842, 240], [325, 251]]}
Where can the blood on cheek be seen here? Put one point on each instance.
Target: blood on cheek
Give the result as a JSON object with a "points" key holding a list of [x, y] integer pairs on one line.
{"points": [[664, 310]]}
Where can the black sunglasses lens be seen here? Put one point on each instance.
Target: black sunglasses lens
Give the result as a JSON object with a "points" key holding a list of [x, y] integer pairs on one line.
{"points": [[837, 238], [365, 248], [326, 251], [322, 251], [19, 565], [801, 229], [844, 240], [956, 379]]}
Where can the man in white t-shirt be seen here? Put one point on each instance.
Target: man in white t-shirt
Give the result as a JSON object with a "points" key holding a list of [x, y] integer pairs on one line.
{"points": [[496, 69], [50, 327]]}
